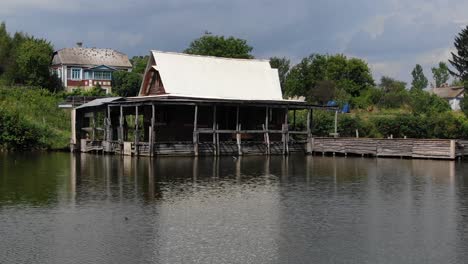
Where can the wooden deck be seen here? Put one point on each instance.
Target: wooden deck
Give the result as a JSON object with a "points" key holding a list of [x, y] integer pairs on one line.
{"points": [[404, 148]]}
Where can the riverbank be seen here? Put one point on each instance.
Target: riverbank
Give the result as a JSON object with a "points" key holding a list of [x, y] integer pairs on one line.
{"points": [[31, 120]]}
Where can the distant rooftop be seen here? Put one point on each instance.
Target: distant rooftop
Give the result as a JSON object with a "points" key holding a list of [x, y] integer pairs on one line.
{"points": [[448, 92], [91, 57]]}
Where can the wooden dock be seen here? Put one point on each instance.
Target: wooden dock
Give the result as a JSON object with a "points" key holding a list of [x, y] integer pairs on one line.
{"points": [[405, 148]]}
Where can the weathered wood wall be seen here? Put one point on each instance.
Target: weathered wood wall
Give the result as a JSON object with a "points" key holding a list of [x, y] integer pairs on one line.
{"points": [[412, 148]]}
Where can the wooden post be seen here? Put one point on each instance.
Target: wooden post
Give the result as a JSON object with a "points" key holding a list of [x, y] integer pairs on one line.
{"points": [[266, 128], [137, 138], [294, 119], [309, 133], [285, 133], [195, 131], [218, 151], [238, 135], [121, 122], [336, 124], [93, 126], [239, 140], [152, 131], [214, 132], [109, 125]]}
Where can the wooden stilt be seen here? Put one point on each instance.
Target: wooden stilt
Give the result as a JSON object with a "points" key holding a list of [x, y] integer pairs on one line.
{"points": [[238, 135], [285, 133], [137, 136], [93, 126], [239, 140], [266, 128], [215, 153], [309, 132], [218, 150], [152, 130], [195, 131], [109, 125], [121, 129]]}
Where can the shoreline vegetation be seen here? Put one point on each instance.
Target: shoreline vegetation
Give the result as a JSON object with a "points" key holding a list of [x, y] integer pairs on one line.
{"points": [[31, 120]]}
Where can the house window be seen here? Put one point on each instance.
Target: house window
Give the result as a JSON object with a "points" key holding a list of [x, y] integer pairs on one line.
{"points": [[59, 73], [76, 74], [102, 75], [88, 75]]}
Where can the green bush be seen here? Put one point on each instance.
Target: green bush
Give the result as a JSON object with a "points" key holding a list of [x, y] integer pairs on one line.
{"points": [[31, 119]]}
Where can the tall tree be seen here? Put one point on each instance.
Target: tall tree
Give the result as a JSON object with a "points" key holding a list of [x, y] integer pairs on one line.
{"points": [[460, 58], [283, 65], [350, 76], [139, 63], [419, 80], [5, 42], [33, 59], [219, 46], [460, 62], [126, 83], [441, 74]]}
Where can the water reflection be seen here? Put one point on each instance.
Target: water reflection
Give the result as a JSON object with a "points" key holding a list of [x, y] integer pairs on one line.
{"points": [[62, 208]]}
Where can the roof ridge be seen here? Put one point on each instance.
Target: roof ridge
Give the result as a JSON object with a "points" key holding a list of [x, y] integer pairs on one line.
{"points": [[208, 56]]}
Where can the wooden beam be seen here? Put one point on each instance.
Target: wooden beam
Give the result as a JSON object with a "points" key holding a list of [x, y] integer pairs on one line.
{"points": [[214, 131], [121, 122], [309, 134], [294, 119], [239, 140], [137, 138], [93, 125], [238, 135], [109, 125], [195, 132], [265, 127], [285, 133], [152, 132]]}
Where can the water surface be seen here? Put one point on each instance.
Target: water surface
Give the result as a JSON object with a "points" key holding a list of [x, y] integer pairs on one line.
{"points": [[64, 208]]}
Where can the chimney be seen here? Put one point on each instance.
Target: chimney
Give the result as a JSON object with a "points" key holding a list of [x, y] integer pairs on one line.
{"points": [[79, 44]]}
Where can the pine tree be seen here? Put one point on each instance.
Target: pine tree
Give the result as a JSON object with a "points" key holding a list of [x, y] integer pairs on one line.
{"points": [[419, 80], [460, 62], [460, 59]]}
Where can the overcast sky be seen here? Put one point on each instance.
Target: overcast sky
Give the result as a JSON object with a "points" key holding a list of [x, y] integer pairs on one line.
{"points": [[391, 35]]}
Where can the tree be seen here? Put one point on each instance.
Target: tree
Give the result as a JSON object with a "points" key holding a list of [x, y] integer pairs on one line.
{"points": [[394, 93], [441, 74], [218, 46], [389, 85], [351, 76], [283, 65], [323, 92], [5, 42], [33, 60], [460, 62], [126, 83], [460, 59], [139, 63], [419, 80]]}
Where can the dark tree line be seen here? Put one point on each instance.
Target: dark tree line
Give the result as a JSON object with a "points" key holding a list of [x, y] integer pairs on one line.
{"points": [[25, 60]]}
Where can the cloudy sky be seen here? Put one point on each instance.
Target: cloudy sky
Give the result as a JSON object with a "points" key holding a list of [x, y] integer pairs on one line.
{"points": [[391, 35]]}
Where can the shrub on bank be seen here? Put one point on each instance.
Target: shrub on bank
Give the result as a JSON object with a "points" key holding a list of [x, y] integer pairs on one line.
{"points": [[30, 119]]}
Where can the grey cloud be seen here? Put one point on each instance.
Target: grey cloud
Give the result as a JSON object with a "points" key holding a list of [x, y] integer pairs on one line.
{"points": [[294, 28]]}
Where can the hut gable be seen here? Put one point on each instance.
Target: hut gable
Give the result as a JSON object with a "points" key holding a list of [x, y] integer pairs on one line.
{"points": [[179, 74]]}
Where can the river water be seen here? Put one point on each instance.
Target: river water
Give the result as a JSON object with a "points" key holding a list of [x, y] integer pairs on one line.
{"points": [[64, 208]]}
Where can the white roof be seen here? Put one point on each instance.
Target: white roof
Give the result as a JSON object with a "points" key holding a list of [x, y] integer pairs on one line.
{"points": [[213, 77]]}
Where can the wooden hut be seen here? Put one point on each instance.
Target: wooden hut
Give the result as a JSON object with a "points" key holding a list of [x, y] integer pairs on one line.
{"points": [[196, 105]]}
